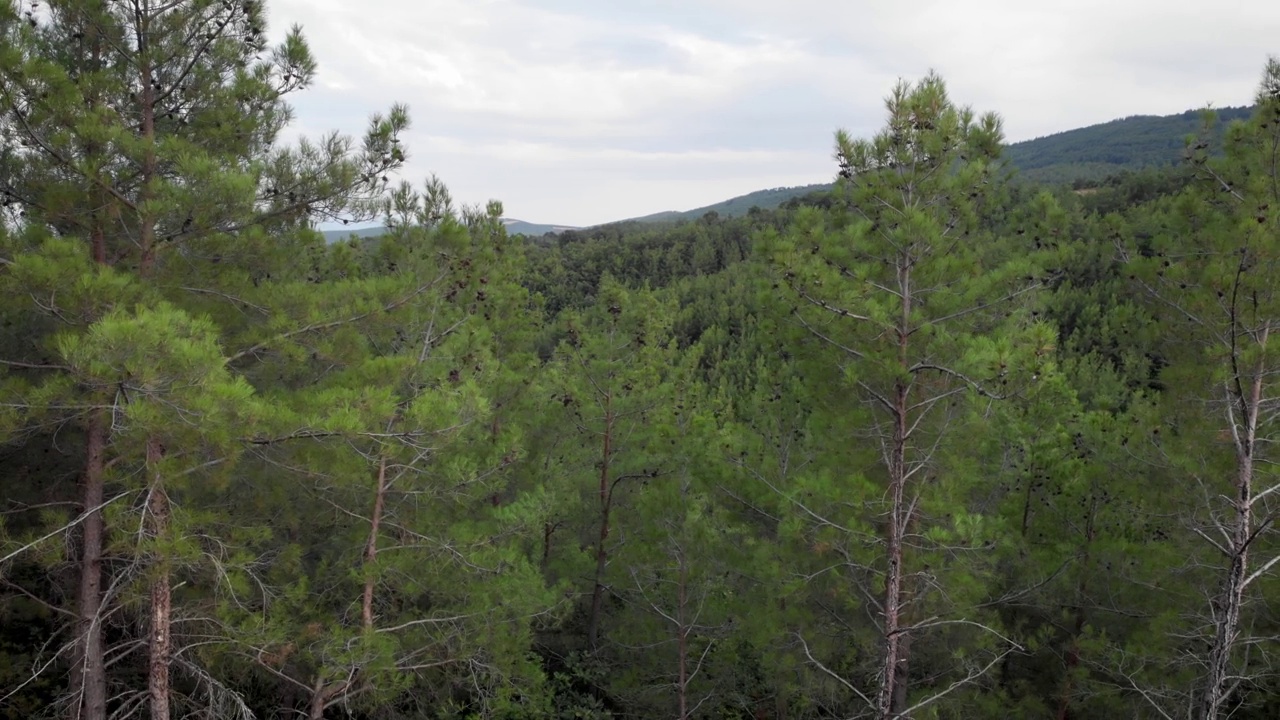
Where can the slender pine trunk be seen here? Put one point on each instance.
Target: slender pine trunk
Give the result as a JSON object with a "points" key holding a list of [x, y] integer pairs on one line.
{"points": [[682, 635], [893, 654], [161, 642], [319, 698], [1228, 604], [892, 691], [88, 669], [371, 547], [1227, 607]]}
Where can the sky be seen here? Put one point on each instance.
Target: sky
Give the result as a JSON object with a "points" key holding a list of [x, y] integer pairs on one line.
{"points": [[580, 112]]}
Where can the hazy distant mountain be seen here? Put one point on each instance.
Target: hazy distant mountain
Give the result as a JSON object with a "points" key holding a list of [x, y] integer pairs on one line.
{"points": [[1082, 155], [739, 206], [1085, 154], [344, 233], [520, 227], [514, 227]]}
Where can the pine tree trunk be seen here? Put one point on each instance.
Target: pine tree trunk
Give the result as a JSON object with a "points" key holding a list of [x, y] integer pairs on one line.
{"points": [[147, 98], [98, 241], [548, 530], [900, 671], [88, 670], [321, 694], [893, 650], [1228, 606], [896, 653], [371, 548], [315, 710], [161, 597], [682, 639], [1226, 609]]}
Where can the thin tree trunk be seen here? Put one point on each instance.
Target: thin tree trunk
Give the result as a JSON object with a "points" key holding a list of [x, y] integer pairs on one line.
{"points": [[98, 241], [147, 98], [893, 650], [319, 697], [602, 551], [158, 501], [161, 597], [548, 530], [323, 692], [900, 671], [88, 670], [1228, 606], [371, 548], [682, 639]]}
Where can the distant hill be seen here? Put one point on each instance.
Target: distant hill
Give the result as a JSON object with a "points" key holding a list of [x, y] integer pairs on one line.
{"points": [[333, 236], [1098, 151], [739, 206], [514, 227], [1087, 154], [520, 227]]}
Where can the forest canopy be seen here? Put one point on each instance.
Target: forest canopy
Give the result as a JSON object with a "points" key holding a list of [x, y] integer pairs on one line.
{"points": [[931, 443]]}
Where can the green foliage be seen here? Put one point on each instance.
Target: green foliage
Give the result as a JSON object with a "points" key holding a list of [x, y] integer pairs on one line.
{"points": [[719, 468]]}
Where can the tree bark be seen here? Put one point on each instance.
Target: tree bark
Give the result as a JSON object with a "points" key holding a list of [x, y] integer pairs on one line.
{"points": [[371, 548], [319, 698], [147, 98], [88, 669], [1227, 607], [896, 653], [161, 592], [893, 650], [548, 529]]}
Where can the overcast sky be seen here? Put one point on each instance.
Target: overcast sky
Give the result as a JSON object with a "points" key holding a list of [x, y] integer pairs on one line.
{"points": [[585, 111]]}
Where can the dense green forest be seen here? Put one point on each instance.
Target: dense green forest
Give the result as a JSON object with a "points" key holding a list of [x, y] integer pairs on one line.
{"points": [[930, 444]]}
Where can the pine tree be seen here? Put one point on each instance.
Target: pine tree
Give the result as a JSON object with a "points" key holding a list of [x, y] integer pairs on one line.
{"points": [[1210, 275], [610, 386], [406, 459], [905, 290], [142, 137]]}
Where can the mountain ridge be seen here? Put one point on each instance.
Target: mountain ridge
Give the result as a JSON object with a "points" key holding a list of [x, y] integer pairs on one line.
{"points": [[1080, 157]]}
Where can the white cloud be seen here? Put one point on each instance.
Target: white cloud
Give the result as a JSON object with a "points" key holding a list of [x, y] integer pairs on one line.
{"points": [[580, 111], [504, 61]]}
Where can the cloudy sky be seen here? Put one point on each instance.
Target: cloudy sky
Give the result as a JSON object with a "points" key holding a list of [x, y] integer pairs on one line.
{"points": [[585, 111]]}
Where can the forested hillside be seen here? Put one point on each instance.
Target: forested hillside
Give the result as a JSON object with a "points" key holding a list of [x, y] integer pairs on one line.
{"points": [[1083, 158], [1093, 153], [929, 444], [738, 206]]}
